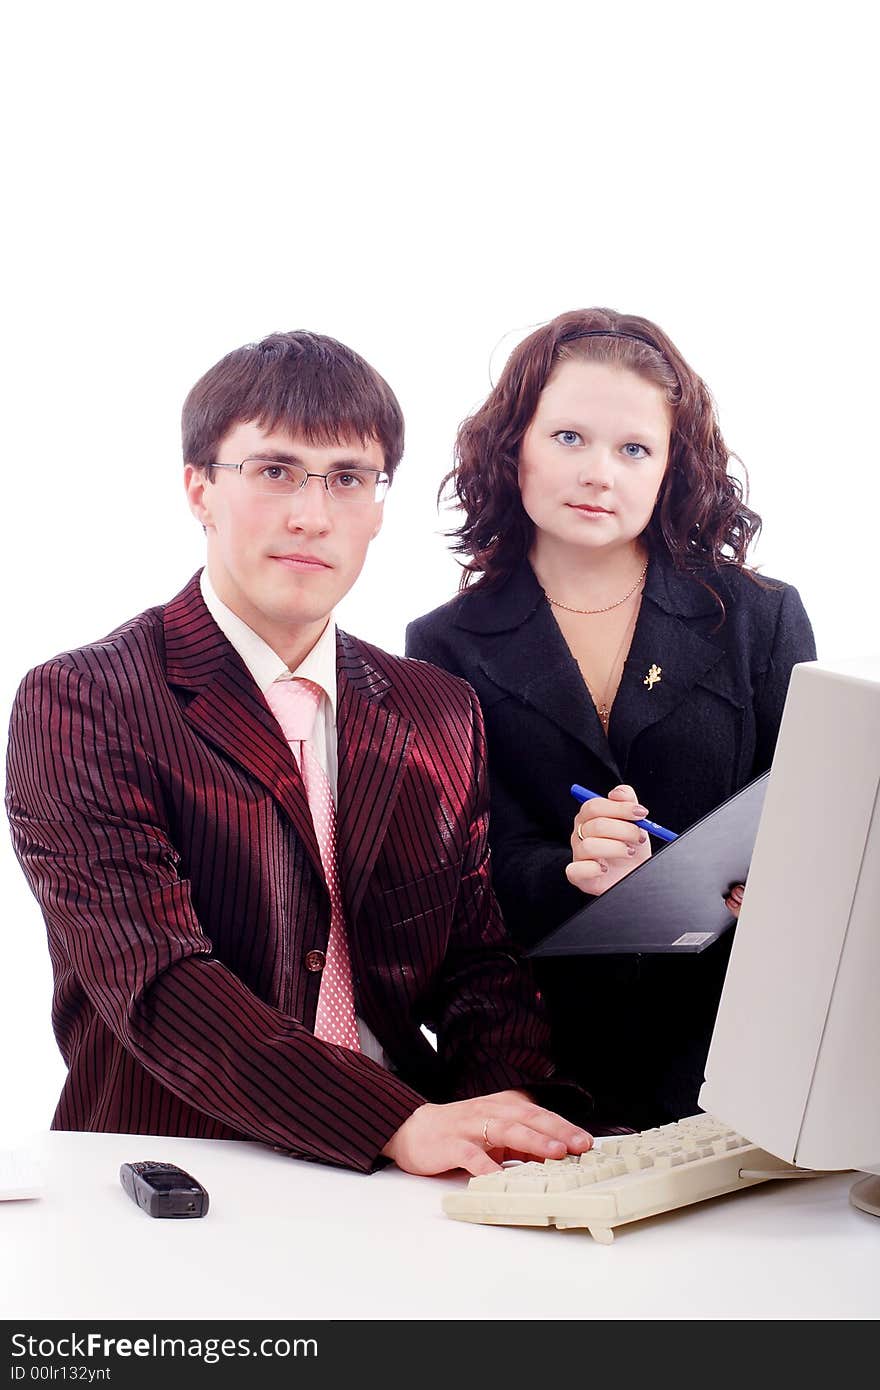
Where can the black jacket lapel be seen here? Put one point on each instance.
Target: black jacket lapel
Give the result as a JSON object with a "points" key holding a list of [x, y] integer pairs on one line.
{"points": [[531, 660], [668, 655]]}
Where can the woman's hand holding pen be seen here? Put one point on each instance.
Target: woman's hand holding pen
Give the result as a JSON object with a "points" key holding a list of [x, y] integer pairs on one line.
{"points": [[605, 843]]}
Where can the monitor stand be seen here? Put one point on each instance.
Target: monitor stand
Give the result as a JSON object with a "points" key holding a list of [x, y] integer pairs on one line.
{"points": [[865, 1194]]}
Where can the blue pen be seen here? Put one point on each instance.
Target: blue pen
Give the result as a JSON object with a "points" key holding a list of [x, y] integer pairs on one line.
{"points": [[583, 795]]}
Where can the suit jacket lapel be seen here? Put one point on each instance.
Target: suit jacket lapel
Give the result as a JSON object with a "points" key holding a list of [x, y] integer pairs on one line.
{"points": [[373, 743], [227, 709], [532, 662], [667, 656], [544, 675]]}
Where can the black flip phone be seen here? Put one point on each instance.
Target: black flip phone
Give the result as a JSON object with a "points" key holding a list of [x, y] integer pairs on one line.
{"points": [[163, 1189]]}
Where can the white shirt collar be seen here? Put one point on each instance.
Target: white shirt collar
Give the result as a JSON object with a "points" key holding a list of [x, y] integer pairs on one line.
{"points": [[264, 664]]}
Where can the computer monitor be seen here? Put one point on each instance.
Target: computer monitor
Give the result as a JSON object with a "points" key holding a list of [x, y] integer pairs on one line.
{"points": [[794, 1062]]}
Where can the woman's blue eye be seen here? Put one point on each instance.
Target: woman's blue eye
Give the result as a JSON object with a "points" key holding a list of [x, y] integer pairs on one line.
{"points": [[567, 437], [641, 451]]}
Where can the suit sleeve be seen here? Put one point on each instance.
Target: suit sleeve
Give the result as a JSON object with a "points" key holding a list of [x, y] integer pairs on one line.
{"points": [[425, 644], [529, 870], [491, 1029], [528, 864], [792, 642], [91, 833]]}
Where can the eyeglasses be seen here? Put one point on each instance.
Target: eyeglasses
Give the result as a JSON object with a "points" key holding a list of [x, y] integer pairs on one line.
{"points": [[271, 478]]}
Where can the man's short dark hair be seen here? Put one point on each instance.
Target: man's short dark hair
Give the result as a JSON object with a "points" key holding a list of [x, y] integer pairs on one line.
{"points": [[304, 383]]}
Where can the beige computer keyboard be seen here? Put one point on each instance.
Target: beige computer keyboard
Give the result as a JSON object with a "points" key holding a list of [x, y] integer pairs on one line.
{"points": [[624, 1180]]}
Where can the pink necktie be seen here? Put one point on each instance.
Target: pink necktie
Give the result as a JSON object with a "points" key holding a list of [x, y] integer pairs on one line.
{"points": [[295, 705]]}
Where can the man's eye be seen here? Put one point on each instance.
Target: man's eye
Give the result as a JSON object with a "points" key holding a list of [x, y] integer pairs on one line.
{"points": [[348, 482], [568, 437], [636, 451], [274, 473]]}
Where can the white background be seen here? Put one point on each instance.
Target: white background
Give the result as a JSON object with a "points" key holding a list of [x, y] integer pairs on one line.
{"points": [[426, 184]]}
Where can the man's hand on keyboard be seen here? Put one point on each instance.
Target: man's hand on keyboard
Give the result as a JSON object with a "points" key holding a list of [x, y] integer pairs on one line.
{"points": [[479, 1134]]}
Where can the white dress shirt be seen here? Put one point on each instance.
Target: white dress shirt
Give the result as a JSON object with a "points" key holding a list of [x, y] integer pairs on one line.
{"points": [[318, 666]]}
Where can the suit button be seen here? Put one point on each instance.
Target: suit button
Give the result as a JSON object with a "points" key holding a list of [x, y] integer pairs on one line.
{"points": [[314, 960]]}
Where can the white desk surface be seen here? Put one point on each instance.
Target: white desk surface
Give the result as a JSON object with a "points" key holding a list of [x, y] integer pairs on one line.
{"points": [[294, 1240]]}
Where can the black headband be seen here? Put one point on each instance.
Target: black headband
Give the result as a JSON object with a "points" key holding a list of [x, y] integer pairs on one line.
{"points": [[607, 333]]}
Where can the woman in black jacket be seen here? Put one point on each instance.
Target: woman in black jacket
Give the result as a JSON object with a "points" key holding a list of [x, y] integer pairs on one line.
{"points": [[615, 638]]}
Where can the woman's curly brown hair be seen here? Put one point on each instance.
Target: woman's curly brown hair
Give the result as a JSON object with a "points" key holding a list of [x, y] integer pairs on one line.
{"points": [[700, 520]]}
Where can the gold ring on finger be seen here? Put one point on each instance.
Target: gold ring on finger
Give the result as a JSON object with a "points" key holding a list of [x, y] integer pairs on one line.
{"points": [[484, 1135], [580, 833]]}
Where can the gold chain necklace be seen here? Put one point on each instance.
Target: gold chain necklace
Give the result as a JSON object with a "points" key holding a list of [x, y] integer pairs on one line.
{"points": [[608, 608], [603, 708]]}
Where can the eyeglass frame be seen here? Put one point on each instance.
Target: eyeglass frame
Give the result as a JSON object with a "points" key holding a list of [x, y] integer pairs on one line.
{"points": [[380, 475]]}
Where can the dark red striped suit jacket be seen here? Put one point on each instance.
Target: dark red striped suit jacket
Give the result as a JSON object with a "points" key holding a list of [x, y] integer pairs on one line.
{"points": [[161, 821]]}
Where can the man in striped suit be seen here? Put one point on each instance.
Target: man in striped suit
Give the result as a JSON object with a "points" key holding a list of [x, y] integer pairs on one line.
{"points": [[259, 844]]}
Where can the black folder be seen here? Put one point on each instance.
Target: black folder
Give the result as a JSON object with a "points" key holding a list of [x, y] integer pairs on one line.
{"points": [[674, 902]]}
